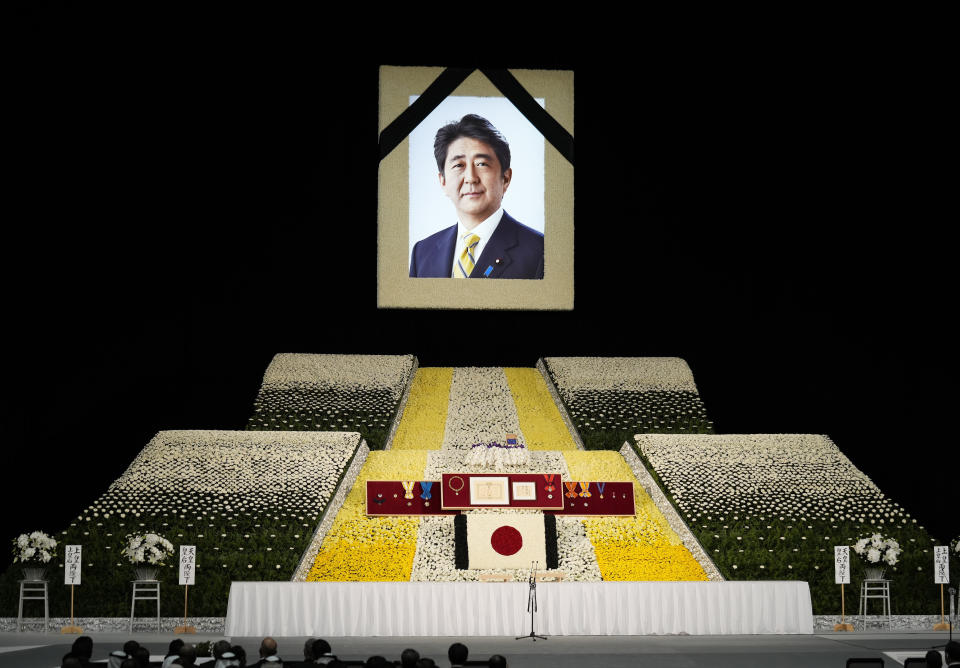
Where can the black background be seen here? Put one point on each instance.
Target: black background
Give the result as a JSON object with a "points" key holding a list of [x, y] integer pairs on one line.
{"points": [[193, 194]]}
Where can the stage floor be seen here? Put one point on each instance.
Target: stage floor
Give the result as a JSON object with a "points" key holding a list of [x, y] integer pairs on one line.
{"points": [[823, 650]]}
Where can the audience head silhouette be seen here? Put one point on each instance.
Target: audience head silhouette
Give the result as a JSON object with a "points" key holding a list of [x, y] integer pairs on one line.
{"points": [[457, 654]]}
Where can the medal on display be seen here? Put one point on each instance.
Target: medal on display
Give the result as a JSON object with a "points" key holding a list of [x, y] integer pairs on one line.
{"points": [[455, 490], [600, 486], [571, 490], [408, 488], [585, 489], [425, 489], [379, 499], [548, 488]]}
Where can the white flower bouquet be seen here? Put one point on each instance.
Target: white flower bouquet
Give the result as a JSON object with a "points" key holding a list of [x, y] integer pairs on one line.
{"points": [[877, 552], [147, 552], [34, 550], [497, 456]]}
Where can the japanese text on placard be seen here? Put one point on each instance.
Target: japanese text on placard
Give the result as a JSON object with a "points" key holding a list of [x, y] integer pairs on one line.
{"points": [[71, 565], [188, 562], [841, 564], [941, 564]]}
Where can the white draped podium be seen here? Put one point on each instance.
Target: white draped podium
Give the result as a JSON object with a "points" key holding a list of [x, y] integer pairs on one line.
{"points": [[500, 609]]}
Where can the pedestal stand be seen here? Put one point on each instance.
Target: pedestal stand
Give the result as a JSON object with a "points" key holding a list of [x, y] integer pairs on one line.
{"points": [[30, 590], [145, 590]]}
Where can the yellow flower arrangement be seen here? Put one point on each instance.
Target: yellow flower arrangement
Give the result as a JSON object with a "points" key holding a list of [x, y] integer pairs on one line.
{"points": [[358, 547], [643, 547], [425, 415], [540, 421]]}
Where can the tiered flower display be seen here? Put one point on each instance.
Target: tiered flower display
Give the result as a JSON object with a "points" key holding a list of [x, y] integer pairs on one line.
{"points": [[773, 506], [491, 402], [359, 393], [248, 501], [609, 399]]}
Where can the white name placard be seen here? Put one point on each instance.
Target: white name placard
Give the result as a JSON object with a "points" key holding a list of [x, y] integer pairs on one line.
{"points": [[72, 561], [941, 564], [841, 564], [188, 564]]}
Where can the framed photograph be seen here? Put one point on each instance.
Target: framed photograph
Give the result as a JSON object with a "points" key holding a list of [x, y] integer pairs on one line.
{"points": [[525, 491], [497, 178], [489, 491]]}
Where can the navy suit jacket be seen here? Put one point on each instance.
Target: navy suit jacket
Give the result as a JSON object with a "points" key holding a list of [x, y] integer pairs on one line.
{"points": [[514, 251]]}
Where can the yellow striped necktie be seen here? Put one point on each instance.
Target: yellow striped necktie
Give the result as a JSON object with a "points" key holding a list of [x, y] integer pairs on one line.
{"points": [[467, 259]]}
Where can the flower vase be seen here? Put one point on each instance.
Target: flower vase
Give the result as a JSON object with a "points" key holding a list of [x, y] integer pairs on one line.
{"points": [[34, 574], [873, 573], [146, 572]]}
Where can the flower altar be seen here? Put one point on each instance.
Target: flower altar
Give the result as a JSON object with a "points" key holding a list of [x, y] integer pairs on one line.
{"points": [[876, 552], [34, 551], [147, 552]]}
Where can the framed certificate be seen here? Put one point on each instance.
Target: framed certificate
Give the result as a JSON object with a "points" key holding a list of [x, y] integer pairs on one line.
{"points": [[489, 491], [524, 491]]}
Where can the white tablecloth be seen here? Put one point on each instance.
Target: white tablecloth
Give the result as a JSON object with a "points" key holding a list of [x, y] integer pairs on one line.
{"points": [[499, 609]]}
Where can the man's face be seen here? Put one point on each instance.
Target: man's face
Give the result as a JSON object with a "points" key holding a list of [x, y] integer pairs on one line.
{"points": [[472, 180]]}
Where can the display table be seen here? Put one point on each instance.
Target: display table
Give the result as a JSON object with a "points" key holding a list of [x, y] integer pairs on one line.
{"points": [[500, 609]]}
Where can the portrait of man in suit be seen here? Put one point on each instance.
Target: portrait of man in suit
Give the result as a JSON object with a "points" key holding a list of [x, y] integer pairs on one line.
{"points": [[473, 162]]}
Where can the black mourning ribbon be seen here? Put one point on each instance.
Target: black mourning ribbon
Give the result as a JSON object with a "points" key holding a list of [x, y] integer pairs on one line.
{"points": [[448, 81]]}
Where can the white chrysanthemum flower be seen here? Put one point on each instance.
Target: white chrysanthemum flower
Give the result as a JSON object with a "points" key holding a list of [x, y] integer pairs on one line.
{"points": [[873, 555]]}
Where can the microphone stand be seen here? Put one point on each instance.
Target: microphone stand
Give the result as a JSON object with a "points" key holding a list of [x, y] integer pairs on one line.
{"points": [[532, 603]]}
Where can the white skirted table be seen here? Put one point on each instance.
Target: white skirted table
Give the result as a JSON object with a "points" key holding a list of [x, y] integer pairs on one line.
{"points": [[500, 609]]}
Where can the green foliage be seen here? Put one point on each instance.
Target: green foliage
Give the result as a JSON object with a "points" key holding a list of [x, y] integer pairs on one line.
{"points": [[369, 412], [606, 420], [765, 546], [242, 546]]}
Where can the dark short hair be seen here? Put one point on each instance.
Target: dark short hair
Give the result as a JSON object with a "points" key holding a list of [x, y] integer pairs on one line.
{"points": [[952, 650], [497, 661], [409, 658], [475, 127], [320, 647], [83, 646], [457, 652]]}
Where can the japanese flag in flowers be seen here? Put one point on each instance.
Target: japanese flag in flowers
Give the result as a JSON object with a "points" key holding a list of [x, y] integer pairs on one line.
{"points": [[505, 540]]}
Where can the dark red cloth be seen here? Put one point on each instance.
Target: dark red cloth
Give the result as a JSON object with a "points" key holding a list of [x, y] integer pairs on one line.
{"points": [[617, 500], [461, 501], [391, 494]]}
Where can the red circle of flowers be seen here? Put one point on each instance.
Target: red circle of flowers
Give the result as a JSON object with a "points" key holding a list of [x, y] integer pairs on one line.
{"points": [[506, 540]]}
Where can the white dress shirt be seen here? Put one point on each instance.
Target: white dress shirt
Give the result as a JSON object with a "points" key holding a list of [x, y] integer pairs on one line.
{"points": [[484, 230]]}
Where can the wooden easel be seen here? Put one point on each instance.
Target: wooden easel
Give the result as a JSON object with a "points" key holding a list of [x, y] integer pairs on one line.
{"points": [[842, 626], [185, 628], [72, 628], [942, 626]]}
